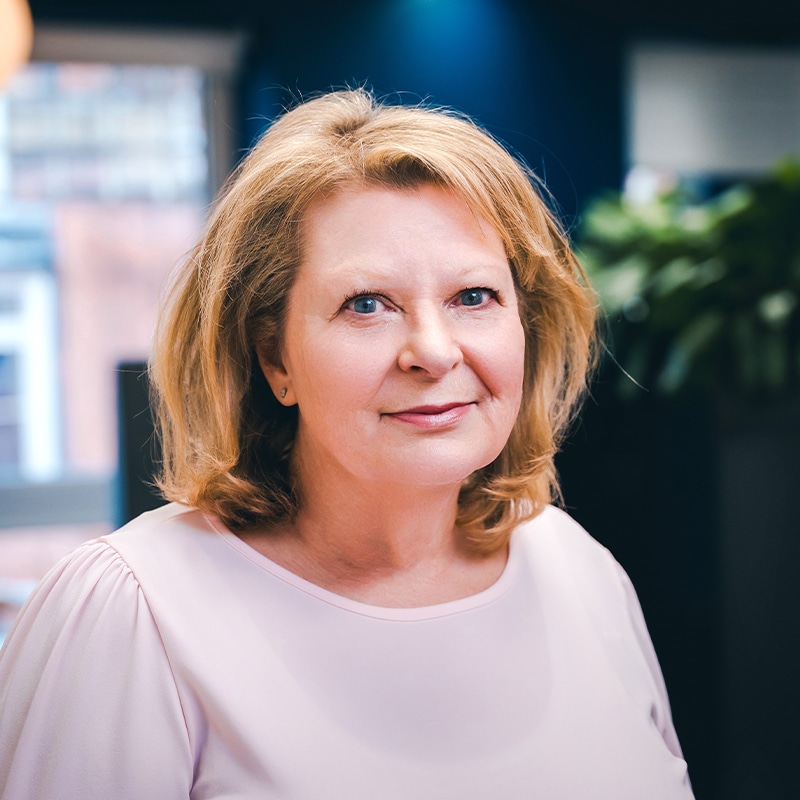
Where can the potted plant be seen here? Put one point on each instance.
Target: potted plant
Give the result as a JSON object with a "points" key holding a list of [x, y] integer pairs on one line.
{"points": [[703, 310], [702, 295]]}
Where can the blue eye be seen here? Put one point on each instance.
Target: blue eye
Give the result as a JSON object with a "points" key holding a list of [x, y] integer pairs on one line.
{"points": [[364, 305], [472, 297]]}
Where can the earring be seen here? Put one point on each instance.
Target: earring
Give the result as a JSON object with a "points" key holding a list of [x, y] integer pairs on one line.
{"points": [[283, 392]]}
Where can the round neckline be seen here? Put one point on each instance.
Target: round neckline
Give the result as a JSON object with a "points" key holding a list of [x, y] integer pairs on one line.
{"points": [[390, 613]]}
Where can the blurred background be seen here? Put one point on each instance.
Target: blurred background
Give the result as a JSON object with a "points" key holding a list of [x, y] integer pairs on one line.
{"points": [[668, 136]]}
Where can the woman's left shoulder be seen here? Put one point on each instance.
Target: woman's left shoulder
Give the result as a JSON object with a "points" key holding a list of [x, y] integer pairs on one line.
{"points": [[574, 570], [555, 536], [555, 543], [582, 575]]}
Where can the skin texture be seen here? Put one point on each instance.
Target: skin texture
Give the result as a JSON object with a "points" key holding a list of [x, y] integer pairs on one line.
{"points": [[404, 352]]}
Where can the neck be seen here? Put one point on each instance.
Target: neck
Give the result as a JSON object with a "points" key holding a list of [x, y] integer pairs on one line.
{"points": [[379, 529], [384, 545], [379, 543]]}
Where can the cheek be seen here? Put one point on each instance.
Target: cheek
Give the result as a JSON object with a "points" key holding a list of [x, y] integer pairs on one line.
{"points": [[334, 372], [506, 359]]}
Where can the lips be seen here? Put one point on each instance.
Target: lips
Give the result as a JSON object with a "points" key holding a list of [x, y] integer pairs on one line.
{"points": [[432, 416]]}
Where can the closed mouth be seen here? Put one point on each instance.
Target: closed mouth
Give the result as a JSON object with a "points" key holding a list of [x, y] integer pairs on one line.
{"points": [[430, 409], [432, 416]]}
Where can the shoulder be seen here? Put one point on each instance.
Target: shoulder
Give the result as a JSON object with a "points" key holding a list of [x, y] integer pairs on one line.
{"points": [[100, 581], [576, 572], [92, 584], [164, 524], [93, 575], [84, 675], [158, 541], [555, 536], [577, 575]]}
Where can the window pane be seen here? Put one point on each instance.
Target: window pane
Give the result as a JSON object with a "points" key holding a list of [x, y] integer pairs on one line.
{"points": [[103, 188], [104, 185]]}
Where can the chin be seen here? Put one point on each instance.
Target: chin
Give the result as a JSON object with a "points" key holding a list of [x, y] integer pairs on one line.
{"points": [[443, 470]]}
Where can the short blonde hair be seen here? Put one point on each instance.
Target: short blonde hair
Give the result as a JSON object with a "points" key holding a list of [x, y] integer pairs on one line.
{"points": [[226, 441]]}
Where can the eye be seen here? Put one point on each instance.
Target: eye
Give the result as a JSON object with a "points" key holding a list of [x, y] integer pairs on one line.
{"points": [[475, 297], [364, 304]]}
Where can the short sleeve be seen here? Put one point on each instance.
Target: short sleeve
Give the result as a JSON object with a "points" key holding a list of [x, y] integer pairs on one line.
{"points": [[89, 709]]}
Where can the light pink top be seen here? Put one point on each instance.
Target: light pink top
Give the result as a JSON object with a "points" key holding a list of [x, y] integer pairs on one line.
{"points": [[170, 660]]}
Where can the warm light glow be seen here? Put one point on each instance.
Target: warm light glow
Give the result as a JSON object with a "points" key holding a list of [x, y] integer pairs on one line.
{"points": [[16, 37]]}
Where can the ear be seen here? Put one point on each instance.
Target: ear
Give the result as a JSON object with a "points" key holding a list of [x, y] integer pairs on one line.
{"points": [[277, 377]]}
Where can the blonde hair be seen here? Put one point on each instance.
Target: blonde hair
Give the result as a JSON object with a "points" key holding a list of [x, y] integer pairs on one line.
{"points": [[225, 439]]}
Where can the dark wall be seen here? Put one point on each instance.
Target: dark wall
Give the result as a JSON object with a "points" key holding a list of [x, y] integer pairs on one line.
{"points": [[768, 22], [523, 74]]}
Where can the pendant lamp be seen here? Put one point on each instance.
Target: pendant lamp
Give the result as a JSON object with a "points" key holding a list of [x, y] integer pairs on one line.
{"points": [[16, 37]]}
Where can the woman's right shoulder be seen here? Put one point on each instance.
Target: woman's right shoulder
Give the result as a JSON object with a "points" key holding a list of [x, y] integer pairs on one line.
{"points": [[94, 574], [99, 576], [84, 664]]}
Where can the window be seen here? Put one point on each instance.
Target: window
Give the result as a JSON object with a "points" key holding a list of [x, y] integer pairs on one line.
{"points": [[111, 146], [698, 112]]}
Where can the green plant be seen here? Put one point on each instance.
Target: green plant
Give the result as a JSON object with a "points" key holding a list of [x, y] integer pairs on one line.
{"points": [[702, 296]]}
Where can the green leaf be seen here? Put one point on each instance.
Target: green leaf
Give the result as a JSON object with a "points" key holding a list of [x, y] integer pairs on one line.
{"points": [[619, 283], [776, 308], [696, 338], [774, 361], [677, 273]]}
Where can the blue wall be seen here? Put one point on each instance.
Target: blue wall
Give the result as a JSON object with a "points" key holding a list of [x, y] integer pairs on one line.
{"points": [[547, 85]]}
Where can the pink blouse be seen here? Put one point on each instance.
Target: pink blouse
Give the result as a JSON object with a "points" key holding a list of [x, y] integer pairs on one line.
{"points": [[171, 660]]}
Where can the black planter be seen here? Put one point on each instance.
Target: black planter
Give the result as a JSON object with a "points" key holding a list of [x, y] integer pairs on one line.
{"points": [[759, 557]]}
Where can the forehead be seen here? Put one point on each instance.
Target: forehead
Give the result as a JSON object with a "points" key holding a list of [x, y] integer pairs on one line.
{"points": [[379, 224]]}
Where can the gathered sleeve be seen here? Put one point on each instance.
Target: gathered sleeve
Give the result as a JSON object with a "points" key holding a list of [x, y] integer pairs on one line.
{"points": [[89, 709]]}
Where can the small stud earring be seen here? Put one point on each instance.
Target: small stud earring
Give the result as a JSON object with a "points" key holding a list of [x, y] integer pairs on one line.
{"points": [[283, 392]]}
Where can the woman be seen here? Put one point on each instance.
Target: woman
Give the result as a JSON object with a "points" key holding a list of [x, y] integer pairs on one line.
{"points": [[360, 590]]}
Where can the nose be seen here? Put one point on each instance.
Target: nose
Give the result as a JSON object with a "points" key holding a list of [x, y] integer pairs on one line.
{"points": [[430, 345]]}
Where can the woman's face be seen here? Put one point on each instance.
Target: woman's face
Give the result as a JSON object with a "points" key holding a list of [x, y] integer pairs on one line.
{"points": [[403, 346]]}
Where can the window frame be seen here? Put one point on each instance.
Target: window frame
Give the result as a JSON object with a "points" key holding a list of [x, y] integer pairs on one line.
{"points": [[219, 56]]}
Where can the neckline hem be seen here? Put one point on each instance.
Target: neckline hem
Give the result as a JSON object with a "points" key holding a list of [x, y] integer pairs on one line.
{"points": [[392, 613]]}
